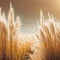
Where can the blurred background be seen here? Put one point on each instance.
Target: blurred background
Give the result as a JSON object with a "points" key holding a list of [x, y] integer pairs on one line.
{"points": [[29, 10]]}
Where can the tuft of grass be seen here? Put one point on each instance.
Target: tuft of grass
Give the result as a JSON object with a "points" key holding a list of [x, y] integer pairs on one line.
{"points": [[49, 36], [13, 44]]}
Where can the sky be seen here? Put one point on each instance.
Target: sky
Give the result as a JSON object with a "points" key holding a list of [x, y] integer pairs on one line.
{"points": [[29, 10]]}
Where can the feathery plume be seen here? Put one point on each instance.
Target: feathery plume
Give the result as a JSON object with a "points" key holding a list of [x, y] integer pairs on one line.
{"points": [[41, 17]]}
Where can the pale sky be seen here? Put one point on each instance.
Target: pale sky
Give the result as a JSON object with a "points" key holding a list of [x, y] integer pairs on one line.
{"points": [[29, 10]]}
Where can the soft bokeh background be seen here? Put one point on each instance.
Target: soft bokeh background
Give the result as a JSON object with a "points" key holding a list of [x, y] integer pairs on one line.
{"points": [[29, 10]]}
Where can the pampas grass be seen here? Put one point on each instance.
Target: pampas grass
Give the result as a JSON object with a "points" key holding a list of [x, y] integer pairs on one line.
{"points": [[49, 38], [14, 45]]}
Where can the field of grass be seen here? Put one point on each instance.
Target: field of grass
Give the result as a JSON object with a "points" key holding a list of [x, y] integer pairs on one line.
{"points": [[45, 45]]}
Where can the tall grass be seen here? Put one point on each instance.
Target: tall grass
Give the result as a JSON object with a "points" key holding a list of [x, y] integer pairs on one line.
{"points": [[49, 36], [14, 45]]}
